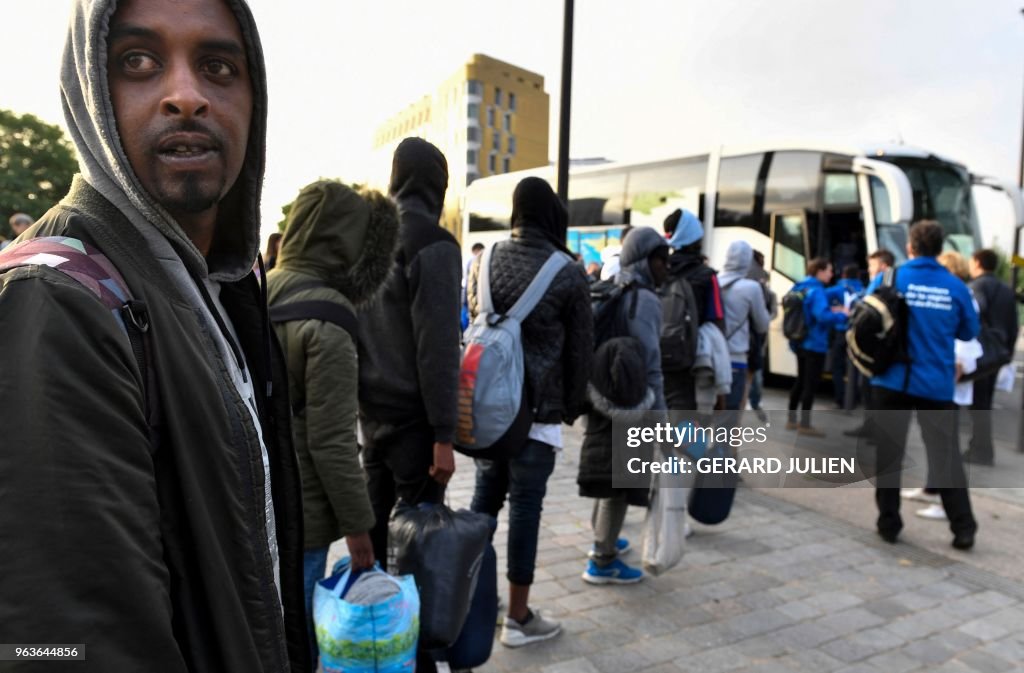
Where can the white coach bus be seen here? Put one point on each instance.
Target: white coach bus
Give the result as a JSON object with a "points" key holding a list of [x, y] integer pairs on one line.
{"points": [[792, 203]]}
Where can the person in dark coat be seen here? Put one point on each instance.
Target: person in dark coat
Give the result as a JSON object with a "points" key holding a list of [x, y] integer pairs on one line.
{"points": [[687, 261], [997, 309], [618, 386], [558, 346], [644, 269], [409, 348]]}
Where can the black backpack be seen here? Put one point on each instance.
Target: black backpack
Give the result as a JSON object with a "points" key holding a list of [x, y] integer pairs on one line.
{"points": [[606, 299], [794, 321], [876, 338], [680, 326]]}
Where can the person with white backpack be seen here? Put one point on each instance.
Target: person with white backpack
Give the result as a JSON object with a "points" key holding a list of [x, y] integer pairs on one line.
{"points": [[557, 347]]}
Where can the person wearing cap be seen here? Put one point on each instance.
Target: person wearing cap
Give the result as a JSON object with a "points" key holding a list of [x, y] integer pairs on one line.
{"points": [[687, 262], [644, 261], [19, 223]]}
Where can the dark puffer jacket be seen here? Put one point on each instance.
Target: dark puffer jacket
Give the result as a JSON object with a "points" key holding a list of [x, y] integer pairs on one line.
{"points": [[558, 336], [618, 392]]}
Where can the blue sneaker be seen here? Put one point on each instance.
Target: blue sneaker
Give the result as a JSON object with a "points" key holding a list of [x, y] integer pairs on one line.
{"points": [[621, 548], [615, 572]]}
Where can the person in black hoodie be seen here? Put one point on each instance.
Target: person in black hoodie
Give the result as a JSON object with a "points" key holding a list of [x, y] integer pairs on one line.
{"points": [[688, 262], [997, 308], [558, 344], [409, 348]]}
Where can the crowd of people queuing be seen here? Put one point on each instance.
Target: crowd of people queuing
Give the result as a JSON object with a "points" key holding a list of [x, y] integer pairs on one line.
{"points": [[189, 462]]}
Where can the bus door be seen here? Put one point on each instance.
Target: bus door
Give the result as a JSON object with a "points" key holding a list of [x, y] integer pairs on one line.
{"points": [[787, 260], [887, 201]]}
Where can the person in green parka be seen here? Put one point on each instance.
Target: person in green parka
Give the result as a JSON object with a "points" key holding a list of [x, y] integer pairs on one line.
{"points": [[338, 247]]}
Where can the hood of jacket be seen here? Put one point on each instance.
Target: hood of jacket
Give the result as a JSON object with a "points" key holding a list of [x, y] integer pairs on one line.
{"points": [[419, 177], [638, 246], [89, 114], [536, 208], [345, 238], [737, 262], [688, 231]]}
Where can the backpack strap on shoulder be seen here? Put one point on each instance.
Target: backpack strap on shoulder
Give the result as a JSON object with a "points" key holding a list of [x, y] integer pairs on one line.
{"points": [[314, 309], [484, 280], [534, 292], [91, 269]]}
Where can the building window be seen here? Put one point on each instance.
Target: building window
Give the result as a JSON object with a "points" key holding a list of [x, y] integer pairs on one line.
{"points": [[492, 163], [506, 165], [511, 145], [471, 158], [497, 96], [473, 110], [490, 116], [474, 87], [508, 122], [511, 101], [473, 134], [496, 141]]}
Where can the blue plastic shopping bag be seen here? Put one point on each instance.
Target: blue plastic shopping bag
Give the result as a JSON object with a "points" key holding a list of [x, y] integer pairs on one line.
{"points": [[378, 638]]}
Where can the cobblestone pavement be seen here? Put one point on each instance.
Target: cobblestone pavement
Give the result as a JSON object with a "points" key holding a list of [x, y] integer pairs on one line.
{"points": [[794, 580], [777, 587]]}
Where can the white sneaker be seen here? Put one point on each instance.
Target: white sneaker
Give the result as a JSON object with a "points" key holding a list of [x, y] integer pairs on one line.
{"points": [[919, 495], [933, 512], [533, 630], [687, 530]]}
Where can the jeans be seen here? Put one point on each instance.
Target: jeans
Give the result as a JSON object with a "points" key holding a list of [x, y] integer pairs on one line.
{"points": [[756, 385], [739, 387], [809, 366], [939, 432], [314, 565], [524, 479]]}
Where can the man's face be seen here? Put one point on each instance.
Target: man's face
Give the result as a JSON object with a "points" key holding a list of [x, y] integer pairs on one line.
{"points": [[975, 268], [658, 263], [825, 275], [875, 267], [182, 97]]}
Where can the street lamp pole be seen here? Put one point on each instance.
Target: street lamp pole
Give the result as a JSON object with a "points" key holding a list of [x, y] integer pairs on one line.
{"points": [[565, 105], [1020, 169]]}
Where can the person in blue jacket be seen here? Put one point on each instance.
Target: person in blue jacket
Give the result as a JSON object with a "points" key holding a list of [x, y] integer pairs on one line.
{"points": [[845, 292], [810, 353], [941, 310]]}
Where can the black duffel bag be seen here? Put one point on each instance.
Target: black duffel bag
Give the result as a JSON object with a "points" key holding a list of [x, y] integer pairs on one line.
{"points": [[443, 550]]}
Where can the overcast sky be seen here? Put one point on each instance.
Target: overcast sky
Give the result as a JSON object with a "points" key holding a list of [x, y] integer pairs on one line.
{"points": [[651, 79]]}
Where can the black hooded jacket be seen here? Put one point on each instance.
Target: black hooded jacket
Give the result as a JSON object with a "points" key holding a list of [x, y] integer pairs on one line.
{"points": [[409, 342], [558, 336], [690, 265]]}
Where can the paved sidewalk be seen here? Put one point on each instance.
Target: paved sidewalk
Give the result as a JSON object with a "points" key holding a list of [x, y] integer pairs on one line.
{"points": [[778, 587]]}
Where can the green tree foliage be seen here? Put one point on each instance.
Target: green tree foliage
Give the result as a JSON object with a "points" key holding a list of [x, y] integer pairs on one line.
{"points": [[36, 166]]}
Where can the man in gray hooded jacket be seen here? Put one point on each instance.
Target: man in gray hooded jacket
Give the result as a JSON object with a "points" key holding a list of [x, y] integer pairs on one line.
{"points": [[745, 309], [149, 496]]}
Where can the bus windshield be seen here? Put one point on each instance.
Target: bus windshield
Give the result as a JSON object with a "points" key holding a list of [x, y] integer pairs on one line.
{"points": [[942, 191]]}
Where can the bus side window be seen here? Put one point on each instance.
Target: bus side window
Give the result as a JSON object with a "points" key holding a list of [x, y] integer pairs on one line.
{"points": [[789, 244]]}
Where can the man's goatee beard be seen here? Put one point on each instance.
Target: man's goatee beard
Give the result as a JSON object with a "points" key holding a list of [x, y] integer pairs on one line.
{"points": [[190, 198]]}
